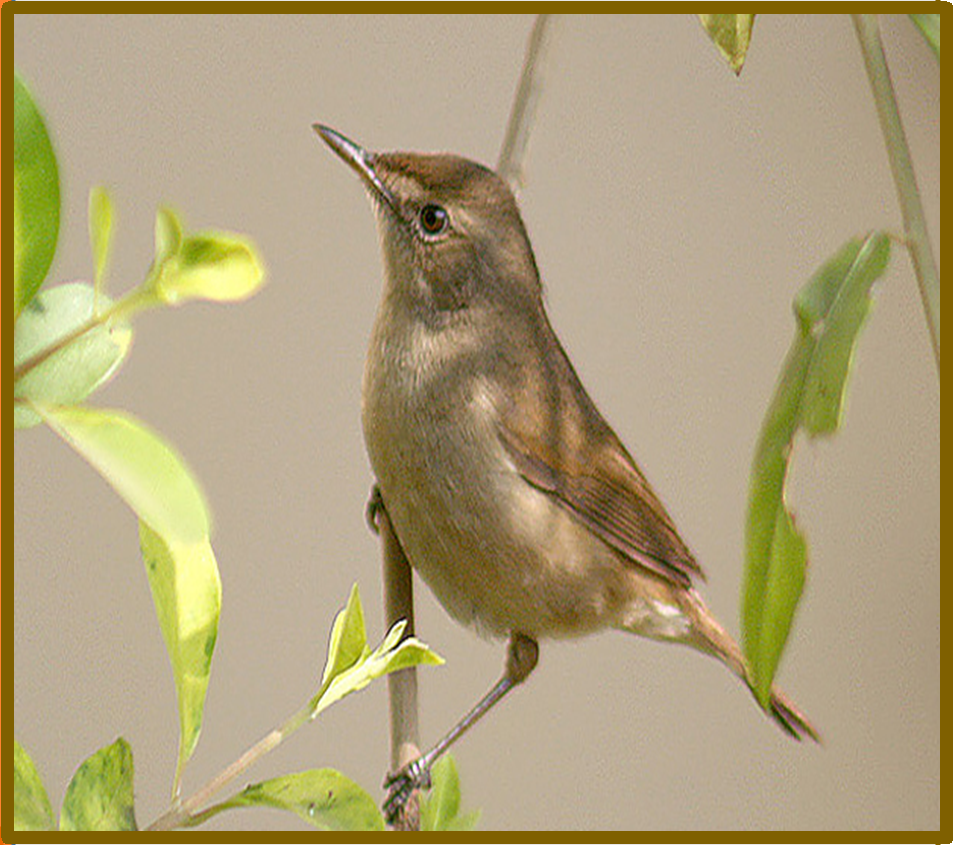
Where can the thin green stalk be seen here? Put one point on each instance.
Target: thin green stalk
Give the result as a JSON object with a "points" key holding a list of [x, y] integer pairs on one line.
{"points": [[915, 228]]}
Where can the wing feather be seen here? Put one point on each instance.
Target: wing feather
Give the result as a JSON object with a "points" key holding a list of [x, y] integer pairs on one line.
{"points": [[561, 445]]}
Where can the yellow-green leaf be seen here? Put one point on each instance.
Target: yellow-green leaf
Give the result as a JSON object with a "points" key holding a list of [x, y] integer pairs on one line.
{"points": [[349, 640], [324, 798], [187, 593], [351, 665], [36, 198], [731, 34], [146, 472], [168, 235], [74, 372], [211, 265], [386, 658], [100, 795], [440, 806], [100, 233], [31, 805], [174, 536], [930, 27], [830, 312]]}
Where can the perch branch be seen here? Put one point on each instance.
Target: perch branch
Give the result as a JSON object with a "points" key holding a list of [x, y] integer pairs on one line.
{"points": [[402, 685]]}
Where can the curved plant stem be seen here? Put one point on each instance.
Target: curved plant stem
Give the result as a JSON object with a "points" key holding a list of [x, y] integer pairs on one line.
{"points": [[523, 111], [915, 228]]}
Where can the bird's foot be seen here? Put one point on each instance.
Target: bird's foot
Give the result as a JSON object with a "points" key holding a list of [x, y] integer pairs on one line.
{"points": [[373, 509], [401, 786]]}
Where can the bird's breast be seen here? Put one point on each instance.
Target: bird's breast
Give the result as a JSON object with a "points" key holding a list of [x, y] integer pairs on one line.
{"points": [[497, 552], [430, 435]]}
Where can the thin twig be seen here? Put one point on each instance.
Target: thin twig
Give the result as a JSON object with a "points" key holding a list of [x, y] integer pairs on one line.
{"points": [[915, 228], [185, 812], [136, 300], [522, 114]]}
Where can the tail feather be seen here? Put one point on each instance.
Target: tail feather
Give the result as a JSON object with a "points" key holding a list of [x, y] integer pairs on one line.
{"points": [[789, 717], [709, 636]]}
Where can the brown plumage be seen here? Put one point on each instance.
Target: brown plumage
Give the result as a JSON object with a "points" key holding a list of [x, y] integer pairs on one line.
{"points": [[510, 494]]}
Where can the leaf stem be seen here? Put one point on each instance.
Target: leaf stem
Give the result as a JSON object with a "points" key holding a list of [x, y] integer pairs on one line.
{"points": [[136, 300], [915, 227], [185, 813]]}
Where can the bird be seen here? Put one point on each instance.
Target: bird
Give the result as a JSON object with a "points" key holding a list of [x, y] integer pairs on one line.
{"points": [[509, 492]]}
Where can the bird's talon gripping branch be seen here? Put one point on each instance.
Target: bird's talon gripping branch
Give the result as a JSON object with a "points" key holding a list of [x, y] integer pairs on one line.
{"points": [[402, 784]]}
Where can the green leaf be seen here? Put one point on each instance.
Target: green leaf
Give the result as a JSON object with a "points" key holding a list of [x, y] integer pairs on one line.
{"points": [[146, 473], [930, 26], [100, 233], [187, 594], [440, 807], [210, 265], [783, 590], [830, 311], [731, 34], [36, 198], [349, 641], [73, 373], [324, 798], [31, 806], [174, 537], [168, 235], [835, 335], [351, 665], [442, 802], [214, 266], [386, 658], [100, 796]]}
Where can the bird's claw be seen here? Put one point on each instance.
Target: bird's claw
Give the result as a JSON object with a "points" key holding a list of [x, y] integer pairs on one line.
{"points": [[373, 509], [401, 785]]}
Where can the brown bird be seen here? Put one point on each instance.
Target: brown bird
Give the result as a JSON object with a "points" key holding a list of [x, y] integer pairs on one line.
{"points": [[510, 494]]}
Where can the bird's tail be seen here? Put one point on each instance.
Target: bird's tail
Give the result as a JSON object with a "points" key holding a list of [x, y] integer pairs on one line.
{"points": [[709, 636]]}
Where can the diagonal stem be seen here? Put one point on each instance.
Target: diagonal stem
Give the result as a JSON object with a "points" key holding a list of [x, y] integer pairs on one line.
{"points": [[915, 227], [187, 813], [136, 300], [523, 111]]}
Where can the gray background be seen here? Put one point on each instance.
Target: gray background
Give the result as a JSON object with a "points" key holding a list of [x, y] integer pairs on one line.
{"points": [[675, 211]]}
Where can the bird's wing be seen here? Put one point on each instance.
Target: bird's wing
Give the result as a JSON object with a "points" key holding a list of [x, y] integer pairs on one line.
{"points": [[590, 473]]}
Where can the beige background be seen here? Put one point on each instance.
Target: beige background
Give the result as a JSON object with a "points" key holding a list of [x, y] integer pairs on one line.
{"points": [[675, 211]]}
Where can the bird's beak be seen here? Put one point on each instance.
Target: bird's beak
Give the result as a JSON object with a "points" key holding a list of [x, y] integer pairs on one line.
{"points": [[360, 160]]}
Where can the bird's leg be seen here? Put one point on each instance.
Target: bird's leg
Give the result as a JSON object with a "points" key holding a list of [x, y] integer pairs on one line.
{"points": [[522, 654]]}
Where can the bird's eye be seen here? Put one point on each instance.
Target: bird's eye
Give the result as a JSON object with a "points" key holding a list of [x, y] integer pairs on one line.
{"points": [[434, 219]]}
